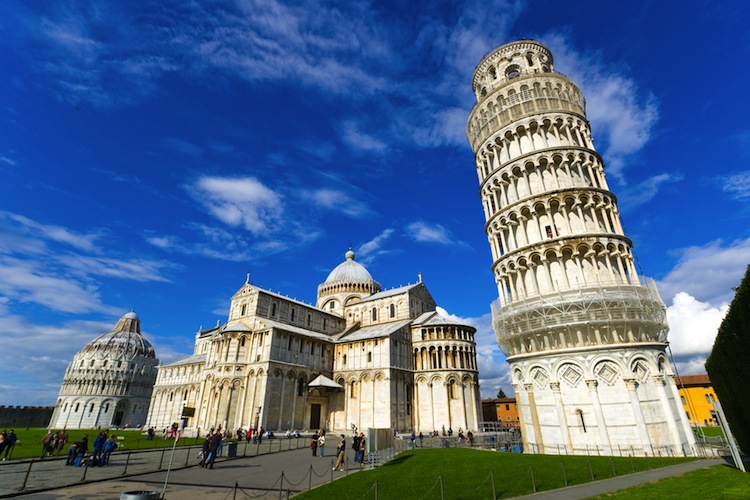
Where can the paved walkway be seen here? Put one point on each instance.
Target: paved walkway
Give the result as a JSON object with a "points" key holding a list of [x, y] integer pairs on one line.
{"points": [[258, 476]]}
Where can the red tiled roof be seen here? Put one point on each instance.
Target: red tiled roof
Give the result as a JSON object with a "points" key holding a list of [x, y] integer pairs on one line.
{"points": [[693, 380]]}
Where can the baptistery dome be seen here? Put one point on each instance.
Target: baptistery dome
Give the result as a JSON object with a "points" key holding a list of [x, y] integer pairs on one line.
{"points": [[109, 382]]}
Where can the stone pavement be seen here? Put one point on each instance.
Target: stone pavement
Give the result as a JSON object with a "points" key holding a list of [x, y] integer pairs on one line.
{"points": [[257, 477]]}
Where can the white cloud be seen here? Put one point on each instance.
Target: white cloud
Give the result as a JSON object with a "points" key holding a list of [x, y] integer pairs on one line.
{"points": [[337, 201], [358, 140], [708, 272], [240, 201], [26, 226], [370, 250], [737, 185], [643, 192], [426, 232], [621, 114], [693, 325], [8, 161]]}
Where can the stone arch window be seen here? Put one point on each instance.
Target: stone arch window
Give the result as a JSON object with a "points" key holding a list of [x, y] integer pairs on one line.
{"points": [[92, 363], [300, 386], [343, 360], [91, 408], [493, 72], [325, 323], [273, 309], [77, 406], [242, 342], [309, 319], [374, 313], [289, 343], [65, 408], [583, 421], [106, 408], [312, 348], [104, 385], [243, 309], [452, 393], [293, 314], [332, 305], [369, 357], [393, 310], [353, 390], [530, 59], [512, 71], [171, 396]]}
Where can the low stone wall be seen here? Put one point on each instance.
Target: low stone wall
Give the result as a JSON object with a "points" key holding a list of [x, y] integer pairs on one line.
{"points": [[25, 416]]}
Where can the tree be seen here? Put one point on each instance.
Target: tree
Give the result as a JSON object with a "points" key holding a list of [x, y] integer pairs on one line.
{"points": [[728, 366], [501, 394]]}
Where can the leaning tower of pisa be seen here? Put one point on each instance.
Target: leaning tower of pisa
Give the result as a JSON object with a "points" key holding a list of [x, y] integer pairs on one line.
{"points": [[585, 335]]}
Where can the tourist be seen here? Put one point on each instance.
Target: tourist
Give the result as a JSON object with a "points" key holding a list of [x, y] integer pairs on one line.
{"points": [[205, 451], [47, 447], [322, 443], [341, 454], [362, 447], [413, 439], [62, 440], [109, 446], [82, 447], [10, 442], [355, 447], [213, 449], [314, 443], [99, 442], [421, 437]]}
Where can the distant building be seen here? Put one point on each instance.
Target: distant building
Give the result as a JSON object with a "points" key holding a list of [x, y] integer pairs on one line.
{"points": [[698, 397], [360, 358], [501, 410], [25, 416], [109, 382]]}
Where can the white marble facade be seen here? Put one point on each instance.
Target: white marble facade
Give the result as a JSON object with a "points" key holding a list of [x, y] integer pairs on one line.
{"points": [[388, 359], [584, 334], [109, 381]]}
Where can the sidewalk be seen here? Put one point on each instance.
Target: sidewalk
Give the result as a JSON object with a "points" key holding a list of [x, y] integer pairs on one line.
{"points": [[257, 476], [603, 486]]}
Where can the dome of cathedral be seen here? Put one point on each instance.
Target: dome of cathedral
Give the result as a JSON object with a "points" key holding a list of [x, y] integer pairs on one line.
{"points": [[124, 341], [349, 270]]}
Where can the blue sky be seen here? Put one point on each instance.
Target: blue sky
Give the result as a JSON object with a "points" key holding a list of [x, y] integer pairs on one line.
{"points": [[153, 153]]}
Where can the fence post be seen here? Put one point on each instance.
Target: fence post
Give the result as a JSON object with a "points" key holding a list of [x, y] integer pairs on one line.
{"points": [[376, 490], [127, 461], [309, 481], [187, 456], [612, 462], [533, 483], [234, 493], [85, 468], [591, 471], [632, 466], [244, 453], [442, 495], [565, 476], [26, 477], [161, 460], [492, 479], [281, 484]]}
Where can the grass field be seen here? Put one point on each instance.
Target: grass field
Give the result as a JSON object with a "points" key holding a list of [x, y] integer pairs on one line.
{"points": [[719, 482], [29, 444], [465, 473]]}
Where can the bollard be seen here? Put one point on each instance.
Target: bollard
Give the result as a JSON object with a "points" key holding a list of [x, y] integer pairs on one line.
{"points": [[281, 484], [26, 477], [127, 461]]}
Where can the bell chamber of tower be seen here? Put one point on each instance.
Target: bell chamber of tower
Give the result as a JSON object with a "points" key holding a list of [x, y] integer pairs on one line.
{"points": [[584, 334]]}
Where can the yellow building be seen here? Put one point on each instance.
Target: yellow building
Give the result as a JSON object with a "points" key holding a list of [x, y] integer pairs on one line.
{"points": [[697, 397]]}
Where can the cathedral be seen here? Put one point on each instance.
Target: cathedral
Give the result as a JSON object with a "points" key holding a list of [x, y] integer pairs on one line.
{"points": [[361, 357]]}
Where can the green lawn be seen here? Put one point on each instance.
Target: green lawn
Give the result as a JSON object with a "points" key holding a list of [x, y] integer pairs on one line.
{"points": [[465, 474], [718, 482], [29, 444], [710, 431]]}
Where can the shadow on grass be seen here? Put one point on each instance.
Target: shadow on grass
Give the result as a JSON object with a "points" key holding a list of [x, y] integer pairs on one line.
{"points": [[397, 461]]}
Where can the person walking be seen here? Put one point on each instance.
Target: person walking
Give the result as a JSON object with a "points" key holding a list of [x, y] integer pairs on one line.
{"points": [[47, 444], [341, 454], [421, 437], [314, 443], [205, 451], [213, 449], [355, 447], [109, 447]]}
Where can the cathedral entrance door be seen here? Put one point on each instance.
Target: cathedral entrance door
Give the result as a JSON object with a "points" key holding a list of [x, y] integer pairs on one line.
{"points": [[117, 421], [315, 416]]}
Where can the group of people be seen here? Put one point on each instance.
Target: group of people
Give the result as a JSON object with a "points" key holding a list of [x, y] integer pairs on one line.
{"points": [[359, 445], [102, 449], [53, 443], [7, 442], [212, 448]]}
